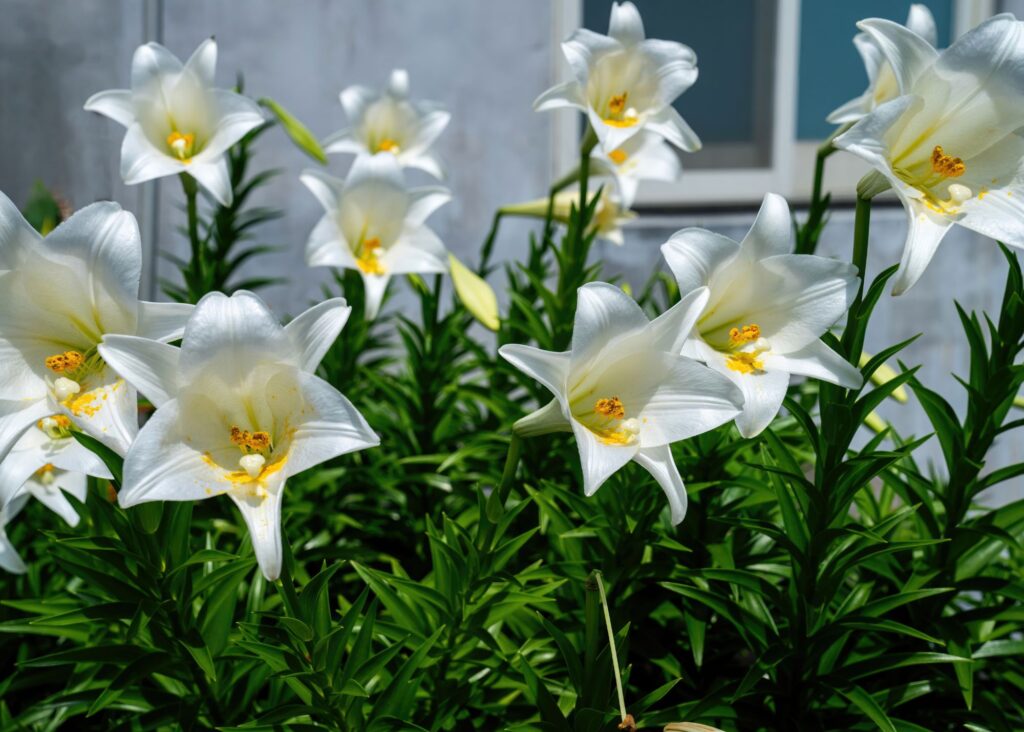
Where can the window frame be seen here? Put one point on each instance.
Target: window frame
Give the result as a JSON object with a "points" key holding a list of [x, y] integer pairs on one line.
{"points": [[791, 169]]}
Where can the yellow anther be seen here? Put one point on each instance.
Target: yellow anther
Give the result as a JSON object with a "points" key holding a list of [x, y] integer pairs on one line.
{"points": [[745, 363], [618, 156], [55, 427], [62, 363], [181, 143], [45, 470], [368, 259], [946, 165], [610, 407], [251, 442], [617, 104], [389, 145], [746, 334]]}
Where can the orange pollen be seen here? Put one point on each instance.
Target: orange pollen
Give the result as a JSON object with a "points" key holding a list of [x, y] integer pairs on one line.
{"points": [[388, 145], [611, 407], [746, 334], [61, 422], [617, 104], [251, 442], [62, 363], [618, 156], [181, 143], [368, 260], [946, 165], [45, 470]]}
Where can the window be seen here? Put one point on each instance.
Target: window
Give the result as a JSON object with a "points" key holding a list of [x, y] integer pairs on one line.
{"points": [[770, 72]]}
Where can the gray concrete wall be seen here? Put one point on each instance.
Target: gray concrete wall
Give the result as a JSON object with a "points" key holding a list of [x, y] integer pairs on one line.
{"points": [[485, 60]]}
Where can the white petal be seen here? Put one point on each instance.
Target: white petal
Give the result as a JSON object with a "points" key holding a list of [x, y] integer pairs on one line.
{"points": [[237, 115], [113, 103], [599, 461], [772, 232], [583, 49], [203, 62], [314, 331], [907, 53], [659, 463], [866, 138], [151, 63], [850, 111], [567, 94], [676, 66], [921, 21], [141, 161], [695, 255], [381, 168], [214, 177], [418, 250], [398, 83], [17, 236], [9, 559], [669, 124], [625, 24], [374, 287], [16, 417], [819, 362], [424, 202], [673, 327], [148, 365], [344, 141], [53, 497], [426, 161], [262, 514], [549, 418], [108, 411], [549, 368], [925, 232], [355, 100], [163, 321], [70, 455], [327, 247], [330, 426], [24, 459], [603, 312], [160, 466], [428, 129], [325, 188], [233, 331], [763, 392]]}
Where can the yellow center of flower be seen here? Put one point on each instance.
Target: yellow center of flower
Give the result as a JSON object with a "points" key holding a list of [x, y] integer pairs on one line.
{"points": [[48, 468], [66, 362], [181, 144], [368, 258], [745, 362], [608, 421], [618, 156], [610, 407], [251, 443], [619, 115], [946, 165], [746, 334], [56, 427], [389, 145]]}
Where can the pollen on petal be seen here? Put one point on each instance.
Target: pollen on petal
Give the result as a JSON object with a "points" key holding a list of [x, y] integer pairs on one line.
{"points": [[368, 258], [618, 156], [745, 363], [389, 145]]}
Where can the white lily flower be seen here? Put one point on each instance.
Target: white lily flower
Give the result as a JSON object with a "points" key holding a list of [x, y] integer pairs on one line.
{"points": [[239, 410], [767, 309], [625, 82], [387, 121], [375, 224], [177, 122], [9, 559], [59, 296], [645, 156], [46, 462], [952, 146], [625, 391], [882, 84]]}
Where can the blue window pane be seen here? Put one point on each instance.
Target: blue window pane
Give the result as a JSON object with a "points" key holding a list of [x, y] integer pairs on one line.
{"points": [[721, 105], [831, 71]]}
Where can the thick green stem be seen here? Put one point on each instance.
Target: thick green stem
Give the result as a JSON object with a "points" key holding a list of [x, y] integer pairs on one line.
{"points": [[488, 248], [194, 273], [586, 147], [611, 647], [861, 229]]}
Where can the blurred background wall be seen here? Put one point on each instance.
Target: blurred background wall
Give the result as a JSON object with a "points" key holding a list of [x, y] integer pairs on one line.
{"points": [[486, 62]]}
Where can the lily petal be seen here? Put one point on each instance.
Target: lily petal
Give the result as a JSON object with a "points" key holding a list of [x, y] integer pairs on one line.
{"points": [[567, 94], [772, 232], [113, 103], [925, 232], [148, 365], [214, 177], [314, 331], [694, 255], [203, 62], [763, 392], [163, 321], [598, 460], [603, 312], [659, 463], [625, 24], [549, 368], [141, 161], [262, 514], [907, 53], [817, 361]]}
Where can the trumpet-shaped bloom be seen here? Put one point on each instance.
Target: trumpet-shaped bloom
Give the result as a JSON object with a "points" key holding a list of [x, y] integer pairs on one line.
{"points": [[644, 156], [9, 559], [952, 146], [625, 82], [387, 121], [882, 85], [375, 224], [766, 311], [59, 296], [239, 410], [625, 391], [47, 462], [177, 122]]}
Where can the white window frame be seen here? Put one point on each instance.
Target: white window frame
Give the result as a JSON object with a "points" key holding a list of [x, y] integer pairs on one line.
{"points": [[792, 166]]}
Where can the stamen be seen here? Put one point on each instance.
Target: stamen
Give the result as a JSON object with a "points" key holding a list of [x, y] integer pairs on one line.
{"points": [[389, 145], [368, 259], [45, 474], [946, 165], [617, 104], [56, 427], [746, 334], [610, 407], [618, 156], [618, 114], [181, 145], [63, 388], [745, 362], [251, 443], [64, 362]]}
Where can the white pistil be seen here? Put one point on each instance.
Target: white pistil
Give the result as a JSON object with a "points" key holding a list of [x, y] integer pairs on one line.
{"points": [[959, 193], [631, 428], [252, 464], [64, 387]]}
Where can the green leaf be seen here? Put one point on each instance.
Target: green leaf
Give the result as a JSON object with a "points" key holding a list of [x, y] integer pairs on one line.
{"points": [[867, 704], [113, 461]]}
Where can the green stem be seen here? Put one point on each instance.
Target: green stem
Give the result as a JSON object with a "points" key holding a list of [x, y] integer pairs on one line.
{"points": [[611, 646], [861, 229], [586, 147], [196, 269], [499, 496], [488, 248]]}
